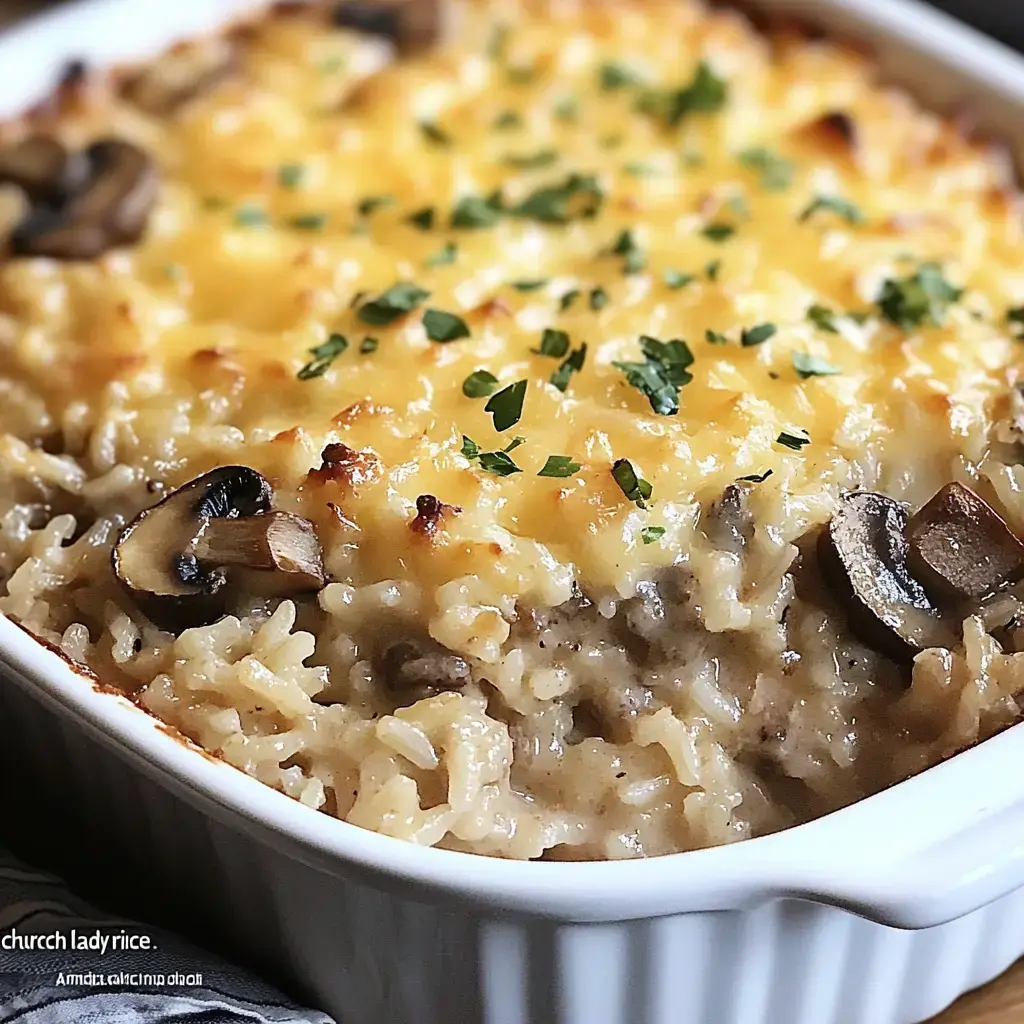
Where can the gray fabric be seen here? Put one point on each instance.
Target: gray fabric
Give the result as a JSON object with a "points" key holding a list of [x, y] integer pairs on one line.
{"points": [[107, 985]]}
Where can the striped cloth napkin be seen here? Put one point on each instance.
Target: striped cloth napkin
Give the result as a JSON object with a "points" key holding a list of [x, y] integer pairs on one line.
{"points": [[64, 962]]}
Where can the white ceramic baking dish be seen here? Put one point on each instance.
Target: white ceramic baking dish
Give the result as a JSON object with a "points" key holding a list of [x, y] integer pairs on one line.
{"points": [[882, 913]]}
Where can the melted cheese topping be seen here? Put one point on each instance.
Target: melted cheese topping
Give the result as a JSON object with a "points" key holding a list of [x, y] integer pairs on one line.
{"points": [[192, 343]]}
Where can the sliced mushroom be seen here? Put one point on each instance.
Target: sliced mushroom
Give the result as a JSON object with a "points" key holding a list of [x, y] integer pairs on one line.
{"points": [[412, 25], [422, 669], [961, 549], [864, 552], [43, 168], [729, 525], [111, 208], [183, 74], [178, 558]]}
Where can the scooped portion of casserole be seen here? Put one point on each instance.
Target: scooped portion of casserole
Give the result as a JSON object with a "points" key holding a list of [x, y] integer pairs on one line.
{"points": [[574, 431]]}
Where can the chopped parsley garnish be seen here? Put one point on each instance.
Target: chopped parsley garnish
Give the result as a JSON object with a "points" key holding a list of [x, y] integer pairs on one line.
{"points": [[705, 94], [715, 338], [309, 222], [923, 297], [444, 256], [553, 343], [823, 318], [479, 384], [614, 75], [528, 161], [638, 169], [718, 232], [559, 466], [632, 485], [331, 65], [662, 373], [371, 203], [476, 212], [598, 298], [470, 449], [250, 216], [393, 304], [756, 478], [776, 173], [676, 279], [507, 120], [625, 245], [432, 133], [712, 269], [506, 407], [567, 109], [497, 463], [568, 299], [812, 366], [835, 204], [1015, 321], [791, 439], [531, 286], [368, 345], [444, 327], [323, 355], [290, 176], [751, 336], [652, 534], [422, 219], [572, 363], [579, 196]]}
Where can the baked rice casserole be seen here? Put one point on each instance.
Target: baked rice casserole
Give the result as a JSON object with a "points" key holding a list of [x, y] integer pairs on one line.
{"points": [[562, 430]]}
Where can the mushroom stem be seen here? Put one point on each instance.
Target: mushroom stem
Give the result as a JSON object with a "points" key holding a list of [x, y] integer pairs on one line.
{"points": [[277, 542]]}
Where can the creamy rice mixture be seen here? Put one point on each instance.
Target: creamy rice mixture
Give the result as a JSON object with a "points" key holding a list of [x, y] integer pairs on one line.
{"points": [[612, 638]]}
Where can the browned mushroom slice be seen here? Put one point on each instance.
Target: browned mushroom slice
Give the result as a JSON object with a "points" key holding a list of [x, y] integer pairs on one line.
{"points": [[183, 74], [177, 558], [960, 548], [421, 669], [863, 553], [110, 209], [43, 168], [412, 25]]}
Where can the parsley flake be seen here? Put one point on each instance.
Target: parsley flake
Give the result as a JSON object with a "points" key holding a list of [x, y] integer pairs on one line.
{"points": [[756, 478], [625, 245], [715, 338], [662, 373], [323, 355], [757, 335], [598, 299], [775, 172], [812, 366], [443, 327], [368, 345], [923, 297], [706, 94], [791, 439], [309, 222], [552, 343], [579, 196], [422, 219], [476, 212], [573, 363], [718, 232], [614, 76], [444, 256], [531, 286], [432, 133], [470, 449], [498, 464], [823, 318], [250, 216], [479, 384], [1015, 321], [530, 161], [568, 299], [567, 109], [676, 279], [507, 120], [837, 205], [632, 485], [290, 176], [371, 203], [506, 407], [391, 305], [652, 534], [559, 466], [712, 269]]}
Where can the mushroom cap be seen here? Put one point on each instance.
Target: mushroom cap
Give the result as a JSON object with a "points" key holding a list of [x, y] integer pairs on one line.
{"points": [[863, 553], [412, 25], [43, 168]]}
